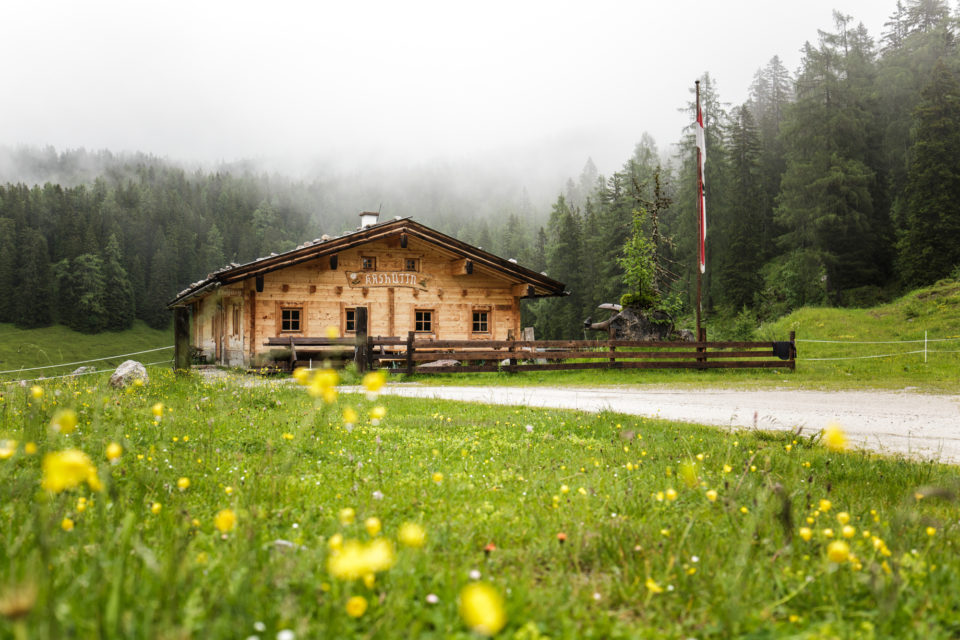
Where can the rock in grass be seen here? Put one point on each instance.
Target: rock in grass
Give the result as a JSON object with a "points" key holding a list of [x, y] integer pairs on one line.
{"points": [[439, 363], [127, 372], [79, 371]]}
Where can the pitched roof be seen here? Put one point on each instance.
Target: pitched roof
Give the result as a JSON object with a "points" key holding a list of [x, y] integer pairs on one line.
{"points": [[543, 286]]}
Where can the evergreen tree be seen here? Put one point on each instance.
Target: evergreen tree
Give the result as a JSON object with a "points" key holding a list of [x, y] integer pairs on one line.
{"points": [[749, 233], [34, 300], [211, 253], [162, 285], [118, 304], [928, 249], [562, 318], [827, 203], [8, 269]]}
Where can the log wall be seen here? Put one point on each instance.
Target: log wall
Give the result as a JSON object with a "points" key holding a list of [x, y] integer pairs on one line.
{"points": [[323, 290]]}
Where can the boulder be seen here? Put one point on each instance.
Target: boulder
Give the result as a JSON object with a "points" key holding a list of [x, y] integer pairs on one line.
{"points": [[127, 372], [79, 371], [629, 323], [439, 363]]}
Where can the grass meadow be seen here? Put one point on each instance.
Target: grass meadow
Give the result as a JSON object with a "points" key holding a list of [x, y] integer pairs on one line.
{"points": [[187, 509]]}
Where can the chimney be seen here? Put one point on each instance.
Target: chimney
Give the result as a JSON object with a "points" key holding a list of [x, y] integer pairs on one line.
{"points": [[368, 218]]}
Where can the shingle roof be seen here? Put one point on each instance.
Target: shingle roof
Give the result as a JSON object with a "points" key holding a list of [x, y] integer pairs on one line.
{"points": [[312, 249]]}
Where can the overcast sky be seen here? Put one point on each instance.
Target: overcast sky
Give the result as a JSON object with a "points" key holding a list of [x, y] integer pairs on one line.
{"points": [[396, 81]]}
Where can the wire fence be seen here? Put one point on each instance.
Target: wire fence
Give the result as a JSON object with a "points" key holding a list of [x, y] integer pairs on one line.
{"points": [[80, 362], [926, 341]]}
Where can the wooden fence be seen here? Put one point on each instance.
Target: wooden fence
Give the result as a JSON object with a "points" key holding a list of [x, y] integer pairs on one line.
{"points": [[413, 355]]}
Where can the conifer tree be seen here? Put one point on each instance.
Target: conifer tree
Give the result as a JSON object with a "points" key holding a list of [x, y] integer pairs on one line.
{"points": [[34, 300], [118, 304], [8, 269], [928, 248]]}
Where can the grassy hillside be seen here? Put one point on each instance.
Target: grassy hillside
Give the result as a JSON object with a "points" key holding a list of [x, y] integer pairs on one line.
{"points": [[883, 346], [26, 348]]}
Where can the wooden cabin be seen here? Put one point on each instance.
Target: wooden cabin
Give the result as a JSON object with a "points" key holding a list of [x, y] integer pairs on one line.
{"points": [[406, 275]]}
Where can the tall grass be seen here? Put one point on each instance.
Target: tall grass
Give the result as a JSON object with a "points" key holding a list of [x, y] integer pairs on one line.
{"points": [[587, 525]]}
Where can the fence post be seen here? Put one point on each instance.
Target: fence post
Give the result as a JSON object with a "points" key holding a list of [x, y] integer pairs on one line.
{"points": [[410, 336], [513, 358], [360, 350], [793, 350], [702, 350], [613, 357]]}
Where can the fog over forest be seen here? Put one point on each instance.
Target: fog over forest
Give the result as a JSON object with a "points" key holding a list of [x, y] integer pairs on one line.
{"points": [[831, 172]]}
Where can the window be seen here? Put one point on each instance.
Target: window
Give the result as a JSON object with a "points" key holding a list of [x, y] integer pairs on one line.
{"points": [[423, 320], [290, 319], [349, 320], [411, 264], [236, 320], [481, 321], [369, 263]]}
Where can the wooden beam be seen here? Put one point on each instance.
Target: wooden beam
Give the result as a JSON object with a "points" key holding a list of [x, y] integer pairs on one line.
{"points": [[403, 241], [522, 290], [181, 339], [462, 267], [333, 262]]}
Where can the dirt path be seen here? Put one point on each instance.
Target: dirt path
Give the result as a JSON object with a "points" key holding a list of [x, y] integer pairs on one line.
{"points": [[917, 424]]}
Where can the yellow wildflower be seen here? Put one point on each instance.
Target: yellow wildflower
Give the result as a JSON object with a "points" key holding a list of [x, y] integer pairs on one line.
{"points": [[301, 375], [356, 606], [848, 531], [183, 484], [825, 505], [347, 516], [355, 559], [712, 495], [378, 412], [372, 525], [335, 542], [350, 416], [68, 469], [437, 477], [36, 392], [806, 533], [157, 410], [66, 524], [64, 421], [671, 494], [225, 520], [931, 531], [481, 608], [838, 551], [374, 380], [834, 437], [653, 587], [843, 517], [727, 468], [411, 535], [155, 508], [114, 451], [30, 448]]}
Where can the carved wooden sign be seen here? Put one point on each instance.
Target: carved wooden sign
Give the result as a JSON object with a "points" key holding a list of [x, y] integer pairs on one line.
{"points": [[387, 279]]}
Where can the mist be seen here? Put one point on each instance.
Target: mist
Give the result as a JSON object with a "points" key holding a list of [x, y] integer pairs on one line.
{"points": [[524, 93]]}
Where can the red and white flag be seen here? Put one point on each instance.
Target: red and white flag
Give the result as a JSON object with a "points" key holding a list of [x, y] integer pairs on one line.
{"points": [[701, 203]]}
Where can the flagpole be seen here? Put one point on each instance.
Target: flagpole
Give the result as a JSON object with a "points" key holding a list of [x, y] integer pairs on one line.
{"points": [[699, 223]]}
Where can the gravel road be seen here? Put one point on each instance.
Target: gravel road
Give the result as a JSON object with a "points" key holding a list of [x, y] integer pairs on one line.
{"points": [[916, 424]]}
